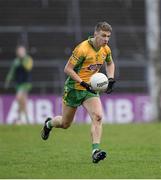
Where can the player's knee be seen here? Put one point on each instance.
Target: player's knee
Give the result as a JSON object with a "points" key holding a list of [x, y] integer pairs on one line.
{"points": [[18, 98], [66, 125], [97, 117], [22, 103]]}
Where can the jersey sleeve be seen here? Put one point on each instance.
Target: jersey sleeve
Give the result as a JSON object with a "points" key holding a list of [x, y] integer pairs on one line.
{"points": [[77, 55], [109, 56], [11, 73]]}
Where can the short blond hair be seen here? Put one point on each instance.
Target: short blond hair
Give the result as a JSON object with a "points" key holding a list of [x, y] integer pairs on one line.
{"points": [[104, 26]]}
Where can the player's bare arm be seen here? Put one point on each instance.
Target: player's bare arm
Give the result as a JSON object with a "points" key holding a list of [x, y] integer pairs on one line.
{"points": [[69, 70], [110, 69]]}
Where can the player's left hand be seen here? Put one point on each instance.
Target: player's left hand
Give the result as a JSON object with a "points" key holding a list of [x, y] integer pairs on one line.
{"points": [[111, 83]]}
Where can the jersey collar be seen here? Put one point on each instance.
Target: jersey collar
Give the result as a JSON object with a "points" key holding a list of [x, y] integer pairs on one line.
{"points": [[91, 44]]}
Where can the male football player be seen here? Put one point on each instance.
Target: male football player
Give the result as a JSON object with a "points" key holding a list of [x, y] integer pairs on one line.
{"points": [[20, 73], [86, 60]]}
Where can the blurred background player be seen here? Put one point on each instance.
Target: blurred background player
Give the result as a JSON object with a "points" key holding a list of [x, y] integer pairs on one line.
{"points": [[86, 60], [20, 73]]}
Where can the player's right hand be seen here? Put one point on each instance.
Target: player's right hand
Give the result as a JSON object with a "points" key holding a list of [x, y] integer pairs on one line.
{"points": [[88, 87]]}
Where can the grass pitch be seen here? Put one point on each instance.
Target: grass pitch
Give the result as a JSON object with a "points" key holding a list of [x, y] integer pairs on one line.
{"points": [[134, 151]]}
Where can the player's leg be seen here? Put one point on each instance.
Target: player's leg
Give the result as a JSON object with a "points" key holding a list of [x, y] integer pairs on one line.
{"points": [[21, 98], [63, 121], [94, 108], [18, 99]]}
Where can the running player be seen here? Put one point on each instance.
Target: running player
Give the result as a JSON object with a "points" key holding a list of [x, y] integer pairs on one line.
{"points": [[20, 73], [86, 60]]}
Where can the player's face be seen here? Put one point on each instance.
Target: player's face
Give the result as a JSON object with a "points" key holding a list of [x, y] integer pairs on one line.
{"points": [[102, 37], [21, 52]]}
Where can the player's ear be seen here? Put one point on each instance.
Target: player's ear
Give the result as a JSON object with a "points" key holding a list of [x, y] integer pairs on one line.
{"points": [[95, 33]]}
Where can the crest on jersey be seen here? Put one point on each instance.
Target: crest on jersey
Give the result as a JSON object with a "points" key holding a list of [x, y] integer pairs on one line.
{"points": [[103, 56]]}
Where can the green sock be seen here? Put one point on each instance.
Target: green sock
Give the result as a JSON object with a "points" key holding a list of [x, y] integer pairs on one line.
{"points": [[95, 146], [49, 125]]}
